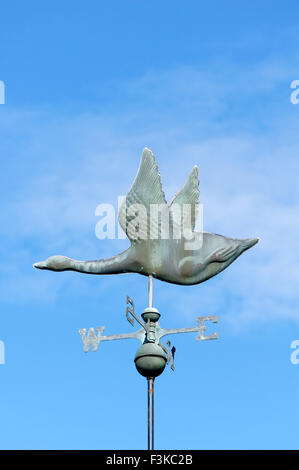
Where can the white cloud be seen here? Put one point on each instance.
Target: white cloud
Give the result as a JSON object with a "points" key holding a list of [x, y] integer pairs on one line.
{"points": [[248, 184]]}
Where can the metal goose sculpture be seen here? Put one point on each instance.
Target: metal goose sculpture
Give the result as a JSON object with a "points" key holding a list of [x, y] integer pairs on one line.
{"points": [[169, 255]]}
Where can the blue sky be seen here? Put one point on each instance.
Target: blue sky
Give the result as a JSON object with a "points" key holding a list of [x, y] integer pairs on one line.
{"points": [[88, 86]]}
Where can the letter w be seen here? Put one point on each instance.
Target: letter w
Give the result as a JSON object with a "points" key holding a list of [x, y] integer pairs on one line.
{"points": [[91, 339]]}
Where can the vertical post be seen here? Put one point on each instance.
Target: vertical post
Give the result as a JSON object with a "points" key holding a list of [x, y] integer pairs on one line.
{"points": [[150, 384], [150, 411], [150, 290]]}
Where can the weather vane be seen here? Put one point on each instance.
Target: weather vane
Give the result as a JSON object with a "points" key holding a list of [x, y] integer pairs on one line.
{"points": [[164, 245]]}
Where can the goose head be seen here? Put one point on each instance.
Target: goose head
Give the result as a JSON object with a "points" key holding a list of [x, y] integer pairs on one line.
{"points": [[55, 263], [248, 243]]}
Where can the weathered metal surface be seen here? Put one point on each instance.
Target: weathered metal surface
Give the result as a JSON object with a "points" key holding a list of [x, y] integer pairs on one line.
{"points": [[153, 355], [93, 340], [152, 253], [150, 413], [150, 290], [169, 259], [170, 354], [150, 360], [160, 332], [131, 309]]}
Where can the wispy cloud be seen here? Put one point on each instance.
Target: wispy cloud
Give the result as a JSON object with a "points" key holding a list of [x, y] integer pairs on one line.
{"points": [[70, 164]]}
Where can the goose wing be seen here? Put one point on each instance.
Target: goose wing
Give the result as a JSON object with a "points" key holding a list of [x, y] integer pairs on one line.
{"points": [[184, 206], [134, 213]]}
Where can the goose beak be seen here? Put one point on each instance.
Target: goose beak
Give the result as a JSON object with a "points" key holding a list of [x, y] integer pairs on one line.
{"points": [[249, 242]]}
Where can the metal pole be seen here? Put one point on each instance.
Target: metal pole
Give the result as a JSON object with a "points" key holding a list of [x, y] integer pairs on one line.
{"points": [[150, 290], [150, 414], [150, 384]]}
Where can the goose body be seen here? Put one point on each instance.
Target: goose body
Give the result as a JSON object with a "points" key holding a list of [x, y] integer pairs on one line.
{"points": [[168, 259]]}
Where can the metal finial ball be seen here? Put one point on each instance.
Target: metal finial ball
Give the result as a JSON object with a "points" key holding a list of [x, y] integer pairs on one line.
{"points": [[151, 314], [150, 360]]}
